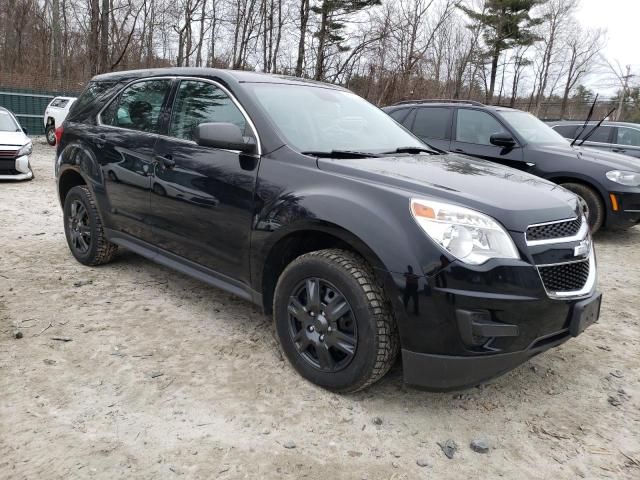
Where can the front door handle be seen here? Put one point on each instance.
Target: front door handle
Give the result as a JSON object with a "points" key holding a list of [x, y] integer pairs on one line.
{"points": [[459, 150], [618, 150], [166, 160]]}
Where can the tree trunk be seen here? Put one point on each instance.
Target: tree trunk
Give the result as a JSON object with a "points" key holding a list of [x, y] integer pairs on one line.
{"points": [[494, 71], [304, 19], [322, 36], [104, 37]]}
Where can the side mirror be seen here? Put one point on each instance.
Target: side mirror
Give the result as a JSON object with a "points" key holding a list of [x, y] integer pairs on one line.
{"points": [[502, 140], [222, 135]]}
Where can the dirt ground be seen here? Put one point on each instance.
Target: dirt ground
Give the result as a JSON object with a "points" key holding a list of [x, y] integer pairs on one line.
{"points": [[166, 377]]}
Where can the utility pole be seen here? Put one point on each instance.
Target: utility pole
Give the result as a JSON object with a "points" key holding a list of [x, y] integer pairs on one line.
{"points": [[625, 86]]}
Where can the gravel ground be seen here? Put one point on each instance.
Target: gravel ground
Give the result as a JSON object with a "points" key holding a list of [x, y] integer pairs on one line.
{"points": [[166, 377]]}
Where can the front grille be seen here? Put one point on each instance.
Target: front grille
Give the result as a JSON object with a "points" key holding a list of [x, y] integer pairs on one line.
{"points": [[548, 231], [566, 277], [8, 153]]}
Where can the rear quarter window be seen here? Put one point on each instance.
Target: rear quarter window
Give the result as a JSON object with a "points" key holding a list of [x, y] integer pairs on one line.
{"points": [[94, 97]]}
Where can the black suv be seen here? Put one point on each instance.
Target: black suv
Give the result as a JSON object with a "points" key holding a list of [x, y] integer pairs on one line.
{"points": [[312, 203], [607, 183]]}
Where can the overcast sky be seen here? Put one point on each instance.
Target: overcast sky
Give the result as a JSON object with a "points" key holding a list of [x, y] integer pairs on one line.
{"points": [[621, 18]]}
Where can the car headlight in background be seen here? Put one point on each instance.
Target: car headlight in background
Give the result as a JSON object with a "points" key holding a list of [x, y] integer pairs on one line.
{"points": [[470, 236], [630, 179], [25, 150]]}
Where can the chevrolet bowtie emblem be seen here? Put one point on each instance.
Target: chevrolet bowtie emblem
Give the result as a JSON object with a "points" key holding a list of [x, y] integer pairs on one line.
{"points": [[583, 249]]}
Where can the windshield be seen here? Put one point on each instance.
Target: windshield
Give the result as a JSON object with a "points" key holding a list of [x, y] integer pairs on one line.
{"points": [[316, 119], [531, 129], [7, 123]]}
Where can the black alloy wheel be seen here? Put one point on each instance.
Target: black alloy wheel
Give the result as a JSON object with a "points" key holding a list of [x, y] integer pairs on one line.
{"points": [[79, 227], [334, 321], [322, 325]]}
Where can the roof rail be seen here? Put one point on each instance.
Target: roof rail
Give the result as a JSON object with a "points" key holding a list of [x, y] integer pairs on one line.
{"points": [[442, 100]]}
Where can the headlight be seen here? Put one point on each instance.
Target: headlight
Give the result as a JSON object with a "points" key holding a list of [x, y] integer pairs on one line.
{"points": [[26, 150], [630, 179], [470, 236]]}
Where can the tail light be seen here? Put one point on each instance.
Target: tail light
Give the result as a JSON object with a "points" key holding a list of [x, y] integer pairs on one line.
{"points": [[59, 132]]}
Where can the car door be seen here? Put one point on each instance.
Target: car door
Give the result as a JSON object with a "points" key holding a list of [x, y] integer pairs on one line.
{"points": [[472, 130], [627, 141], [127, 132], [433, 126], [202, 197]]}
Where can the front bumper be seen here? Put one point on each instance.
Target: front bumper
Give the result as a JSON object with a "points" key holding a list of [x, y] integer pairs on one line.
{"points": [[16, 169], [465, 325], [628, 213]]}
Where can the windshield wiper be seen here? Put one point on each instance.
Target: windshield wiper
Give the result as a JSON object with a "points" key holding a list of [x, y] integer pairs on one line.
{"points": [[591, 132], [586, 122], [414, 150], [341, 154]]}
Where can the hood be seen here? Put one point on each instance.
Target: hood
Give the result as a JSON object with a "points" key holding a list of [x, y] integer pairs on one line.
{"points": [[514, 198], [609, 160], [14, 139]]}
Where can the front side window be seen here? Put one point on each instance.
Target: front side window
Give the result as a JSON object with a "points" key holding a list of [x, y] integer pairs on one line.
{"points": [[202, 102], [628, 136], [319, 119], [474, 126], [138, 107], [432, 123]]}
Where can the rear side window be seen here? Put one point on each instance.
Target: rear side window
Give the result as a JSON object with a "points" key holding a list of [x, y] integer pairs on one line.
{"points": [[601, 135], [138, 106], [628, 136], [432, 123], [202, 102], [567, 131]]}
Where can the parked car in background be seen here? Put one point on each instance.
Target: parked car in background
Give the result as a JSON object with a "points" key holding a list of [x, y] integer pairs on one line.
{"points": [[607, 183], [618, 137], [54, 115], [15, 148], [307, 200]]}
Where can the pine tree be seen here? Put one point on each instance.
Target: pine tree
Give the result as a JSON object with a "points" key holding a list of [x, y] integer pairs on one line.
{"points": [[506, 24], [331, 26]]}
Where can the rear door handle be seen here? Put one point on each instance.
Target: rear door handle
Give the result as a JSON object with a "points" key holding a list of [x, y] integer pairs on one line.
{"points": [[166, 160], [459, 150], [618, 150]]}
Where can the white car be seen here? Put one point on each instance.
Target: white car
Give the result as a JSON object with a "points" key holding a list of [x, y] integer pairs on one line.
{"points": [[54, 115], [15, 148]]}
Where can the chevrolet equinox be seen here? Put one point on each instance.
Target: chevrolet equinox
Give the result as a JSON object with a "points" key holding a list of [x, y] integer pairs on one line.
{"points": [[305, 199]]}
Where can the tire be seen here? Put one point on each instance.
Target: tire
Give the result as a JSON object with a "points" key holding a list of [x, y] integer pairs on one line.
{"points": [[340, 277], [50, 133], [83, 229], [592, 201]]}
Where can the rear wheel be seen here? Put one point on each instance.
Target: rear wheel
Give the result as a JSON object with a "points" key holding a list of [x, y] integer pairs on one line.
{"points": [[83, 228], [591, 203], [333, 321], [50, 133]]}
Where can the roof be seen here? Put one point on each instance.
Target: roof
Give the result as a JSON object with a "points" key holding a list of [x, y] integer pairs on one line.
{"points": [[240, 76]]}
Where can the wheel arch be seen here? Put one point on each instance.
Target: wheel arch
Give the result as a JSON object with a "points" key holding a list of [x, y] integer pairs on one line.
{"points": [[602, 194], [69, 178], [305, 239]]}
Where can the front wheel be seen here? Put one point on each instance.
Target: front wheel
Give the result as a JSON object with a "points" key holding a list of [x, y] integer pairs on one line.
{"points": [[333, 320], [50, 133], [590, 202]]}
